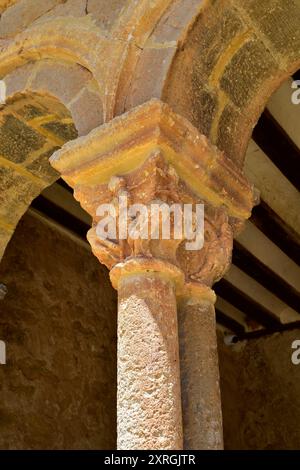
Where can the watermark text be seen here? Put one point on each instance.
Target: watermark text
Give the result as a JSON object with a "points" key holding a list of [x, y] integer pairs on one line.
{"points": [[158, 220]]}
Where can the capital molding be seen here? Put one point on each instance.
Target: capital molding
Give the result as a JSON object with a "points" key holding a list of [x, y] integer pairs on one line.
{"points": [[150, 154], [148, 266], [123, 144]]}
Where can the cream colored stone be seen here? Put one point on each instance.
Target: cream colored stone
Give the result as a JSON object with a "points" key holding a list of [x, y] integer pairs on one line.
{"points": [[15, 19]]}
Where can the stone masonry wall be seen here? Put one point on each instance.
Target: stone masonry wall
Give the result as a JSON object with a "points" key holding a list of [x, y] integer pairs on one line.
{"points": [[260, 390], [58, 388]]}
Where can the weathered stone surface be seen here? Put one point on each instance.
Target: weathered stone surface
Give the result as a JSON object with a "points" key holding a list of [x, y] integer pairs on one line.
{"points": [[279, 21], [61, 39], [106, 13], [117, 159], [200, 388], [209, 39], [205, 106], [40, 167], [260, 390], [4, 4], [58, 388], [17, 79], [87, 111], [250, 66], [70, 8], [238, 53], [149, 407], [64, 131], [16, 193], [232, 122], [32, 110], [36, 107], [152, 127], [17, 140], [216, 66], [37, 126], [141, 88], [172, 25], [214, 32], [18, 17], [62, 80], [168, 49]]}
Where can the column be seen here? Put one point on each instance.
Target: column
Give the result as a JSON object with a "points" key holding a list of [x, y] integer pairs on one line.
{"points": [[200, 388], [147, 156], [148, 397]]}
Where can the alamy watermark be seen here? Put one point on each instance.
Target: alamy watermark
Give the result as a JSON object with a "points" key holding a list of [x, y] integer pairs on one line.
{"points": [[296, 354], [158, 220], [2, 352], [295, 98], [3, 292], [2, 92]]}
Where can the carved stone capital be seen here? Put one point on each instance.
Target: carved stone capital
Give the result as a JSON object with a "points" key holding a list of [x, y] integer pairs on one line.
{"points": [[151, 155]]}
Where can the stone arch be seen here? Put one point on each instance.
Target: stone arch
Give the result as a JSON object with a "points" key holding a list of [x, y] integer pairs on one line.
{"points": [[72, 84], [110, 56], [67, 100], [217, 62], [57, 38], [239, 53], [77, 42], [81, 41], [32, 127]]}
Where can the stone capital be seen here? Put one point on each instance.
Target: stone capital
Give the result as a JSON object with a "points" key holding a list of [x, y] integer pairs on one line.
{"points": [[151, 154]]}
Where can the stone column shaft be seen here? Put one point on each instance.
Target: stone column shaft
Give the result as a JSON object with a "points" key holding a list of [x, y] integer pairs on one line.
{"points": [[149, 401], [200, 389]]}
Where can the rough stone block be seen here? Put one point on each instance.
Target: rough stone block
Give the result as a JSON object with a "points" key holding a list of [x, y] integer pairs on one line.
{"points": [[74, 8], [16, 18], [279, 21], [61, 80], [17, 140], [87, 111], [249, 67], [61, 130], [41, 167], [214, 36], [106, 12], [154, 62], [228, 131], [176, 18], [16, 193], [31, 111], [17, 79], [204, 106]]}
